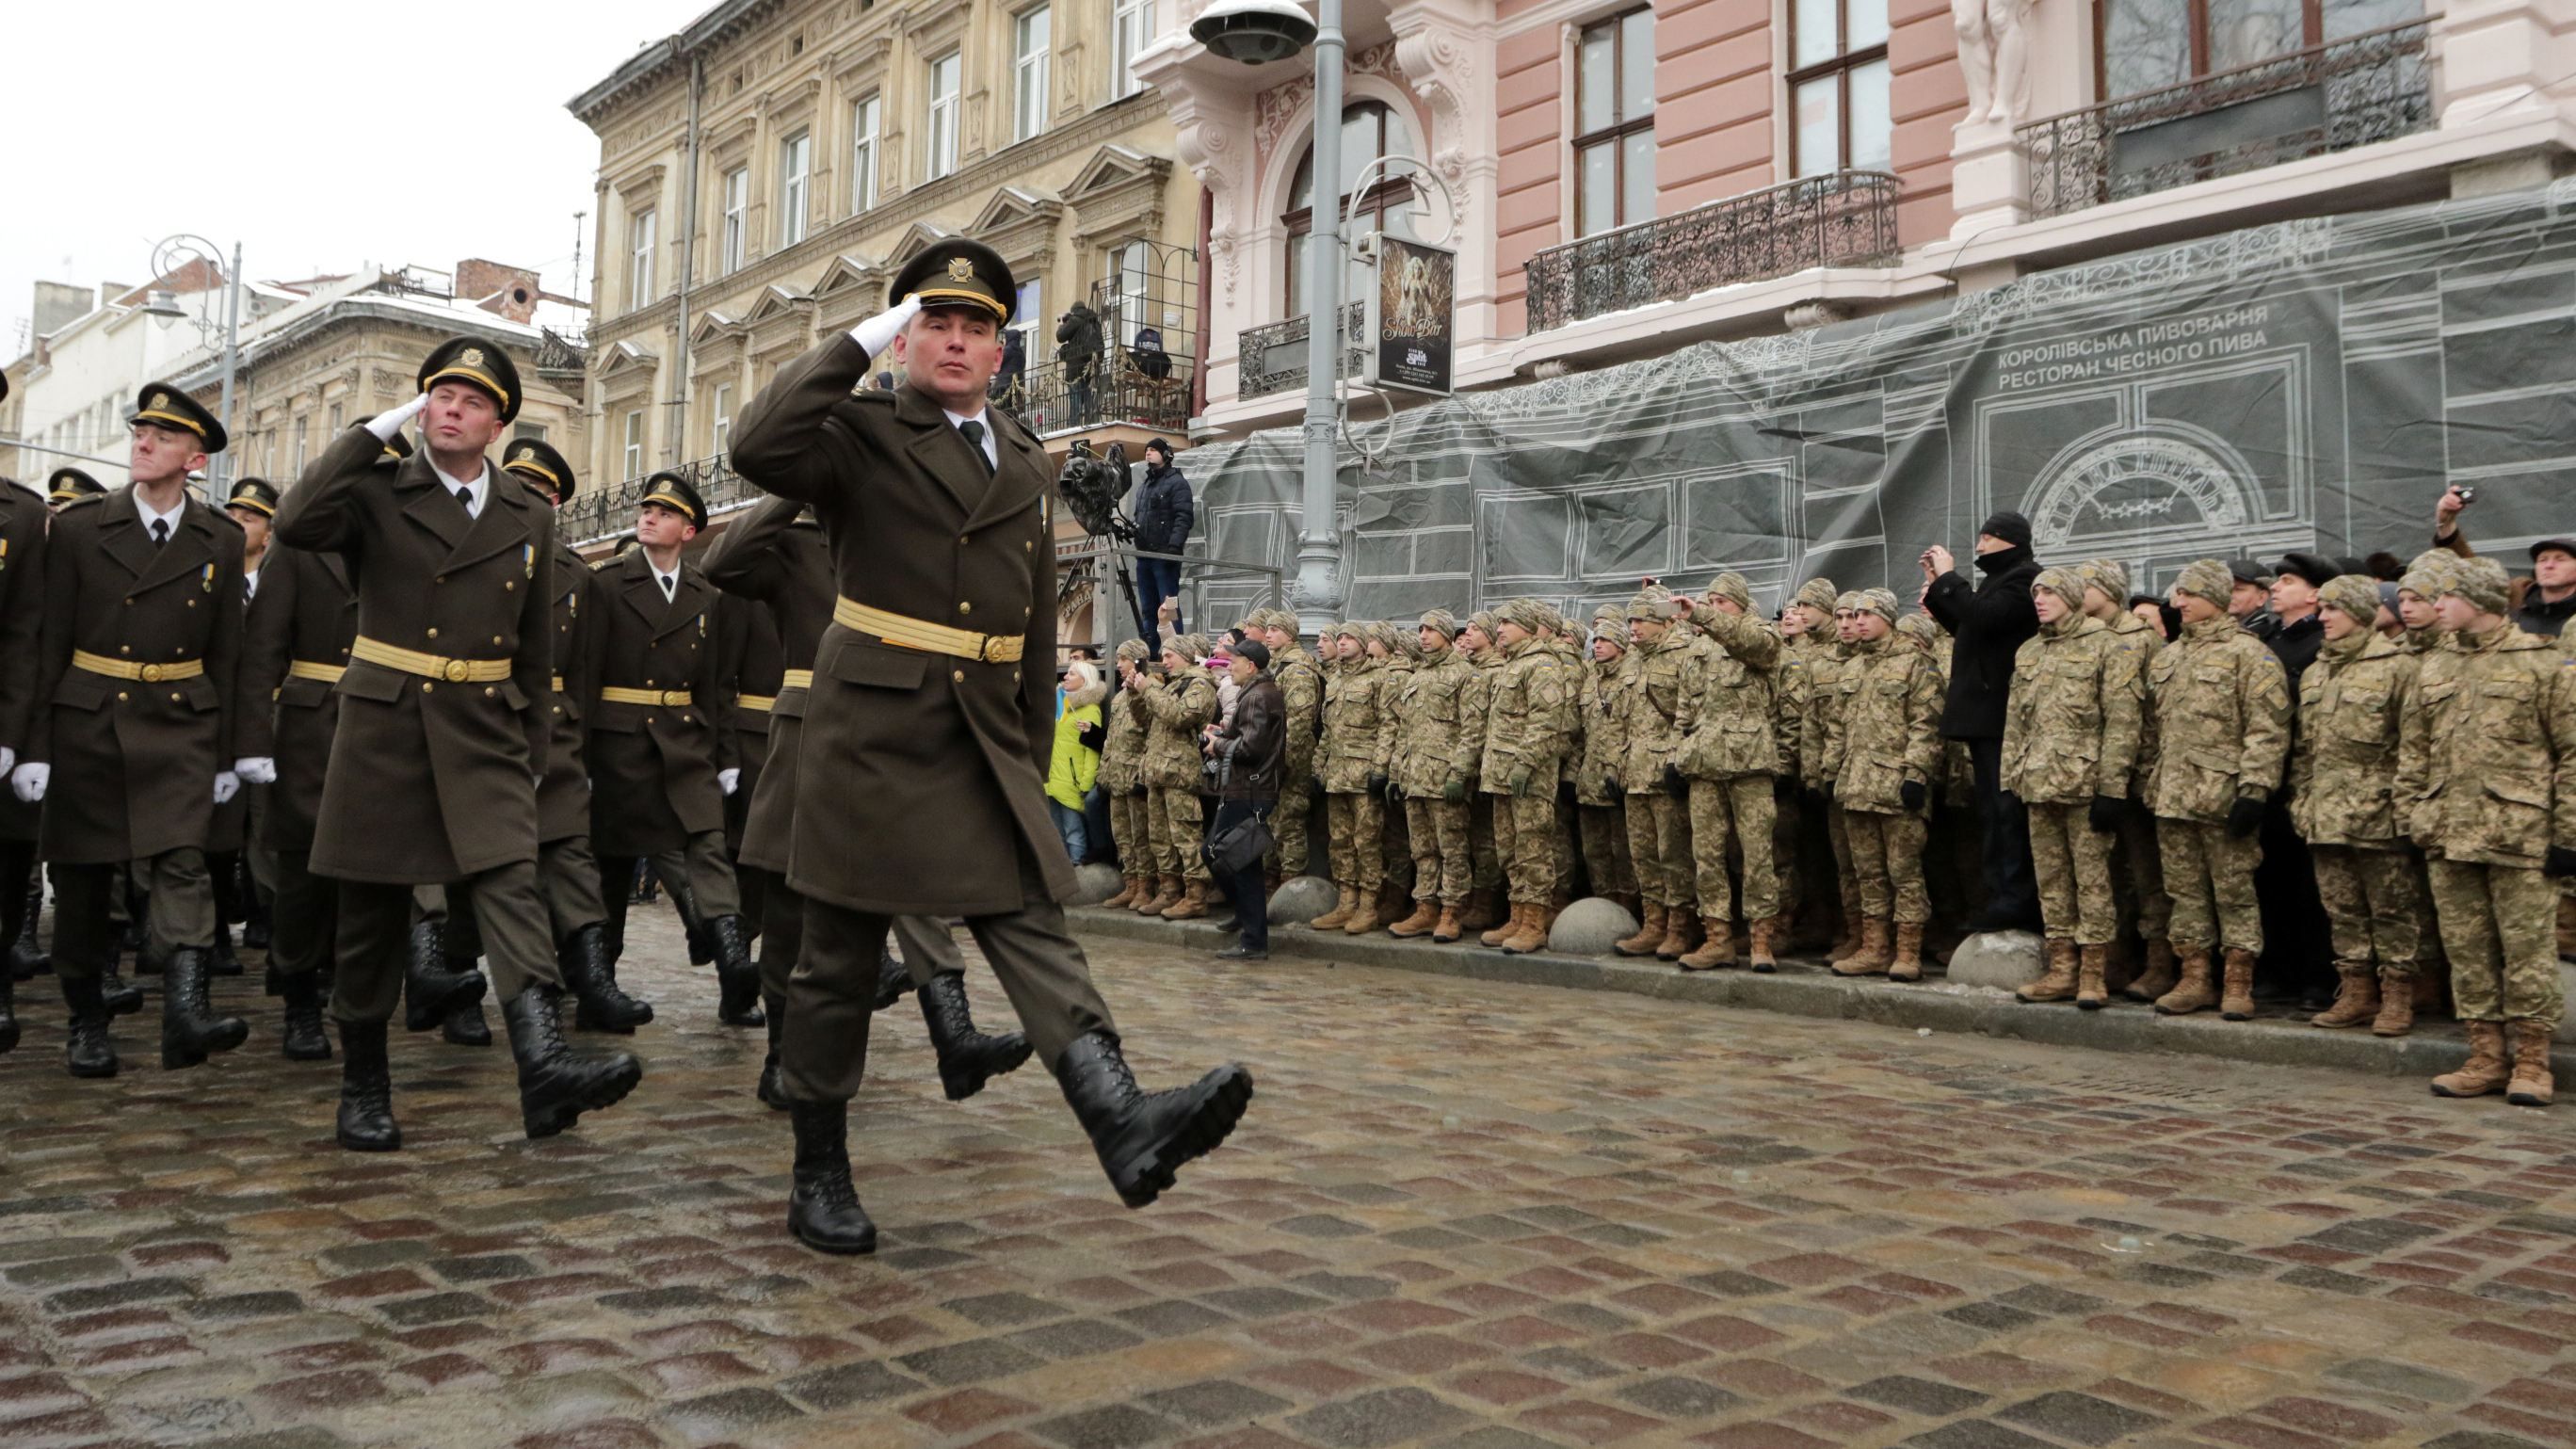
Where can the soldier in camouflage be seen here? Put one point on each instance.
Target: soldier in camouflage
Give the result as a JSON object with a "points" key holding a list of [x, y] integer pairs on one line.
{"points": [[1524, 732], [1122, 777], [1358, 739], [1801, 854], [2487, 776], [1574, 652], [1178, 705], [2138, 873], [1395, 847], [2343, 773], [1484, 908], [2222, 738], [1435, 771], [1881, 752], [1730, 752], [1600, 791], [2071, 724], [1824, 704], [1301, 684], [1667, 664]]}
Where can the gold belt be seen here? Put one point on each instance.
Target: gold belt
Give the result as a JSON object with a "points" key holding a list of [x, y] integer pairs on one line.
{"points": [[148, 673], [796, 679], [909, 633], [762, 702], [643, 696], [313, 669], [555, 683], [429, 666]]}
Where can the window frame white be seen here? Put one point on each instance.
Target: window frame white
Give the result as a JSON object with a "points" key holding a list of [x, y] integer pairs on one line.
{"points": [[939, 137], [736, 210], [1031, 69], [795, 188]]}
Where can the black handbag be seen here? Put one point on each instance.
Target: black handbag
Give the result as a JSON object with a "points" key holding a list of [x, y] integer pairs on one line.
{"points": [[1240, 846]]}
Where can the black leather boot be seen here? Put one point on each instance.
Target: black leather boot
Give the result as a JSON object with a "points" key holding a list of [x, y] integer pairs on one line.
{"points": [[556, 1083], [88, 1052], [224, 961], [305, 1039], [769, 1091], [466, 1027], [430, 991], [121, 997], [698, 930], [967, 1058], [458, 951], [823, 1211], [366, 1090], [737, 980], [25, 959], [190, 1030], [1144, 1138], [593, 982], [894, 981], [9, 1017]]}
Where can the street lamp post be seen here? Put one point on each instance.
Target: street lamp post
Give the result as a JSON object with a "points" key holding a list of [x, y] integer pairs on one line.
{"points": [[1319, 596], [166, 259]]}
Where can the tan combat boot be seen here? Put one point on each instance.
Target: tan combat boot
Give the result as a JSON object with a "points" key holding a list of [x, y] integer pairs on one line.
{"points": [[2092, 977], [2160, 975], [1906, 962], [1163, 899], [1873, 955], [2396, 1004], [2193, 992], [1758, 945], [2057, 983], [1681, 935], [1509, 927], [1364, 915], [2356, 997], [2531, 1084], [1426, 914], [1449, 929], [1128, 886], [1716, 948], [1650, 933], [1532, 936], [2484, 1071], [2236, 1002], [1192, 904], [1345, 902]]}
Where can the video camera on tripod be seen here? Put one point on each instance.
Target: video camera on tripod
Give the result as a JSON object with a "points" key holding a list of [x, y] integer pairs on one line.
{"points": [[1093, 487]]}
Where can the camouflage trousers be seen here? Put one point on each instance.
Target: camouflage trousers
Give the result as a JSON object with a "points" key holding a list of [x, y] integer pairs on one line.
{"points": [[1358, 845], [1176, 850], [1441, 862], [1486, 862], [1605, 850], [1566, 838], [2210, 875], [1733, 818], [1134, 837], [2073, 862], [1525, 837], [2139, 883], [2500, 926], [2372, 905], [1788, 842], [1659, 847], [1846, 873], [1289, 851], [1887, 857]]}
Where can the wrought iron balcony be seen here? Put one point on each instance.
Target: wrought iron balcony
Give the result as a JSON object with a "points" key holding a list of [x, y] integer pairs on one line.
{"points": [[1840, 219], [598, 513], [1273, 355], [1146, 389], [2375, 86]]}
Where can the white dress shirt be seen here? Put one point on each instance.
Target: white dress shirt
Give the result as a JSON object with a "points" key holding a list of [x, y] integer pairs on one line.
{"points": [[992, 450], [479, 486], [170, 519]]}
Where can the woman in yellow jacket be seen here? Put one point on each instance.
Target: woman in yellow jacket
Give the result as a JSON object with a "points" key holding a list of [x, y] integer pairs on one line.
{"points": [[1075, 762]]}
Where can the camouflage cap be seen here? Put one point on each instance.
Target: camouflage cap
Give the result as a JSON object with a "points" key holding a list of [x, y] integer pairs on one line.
{"points": [[1407, 642], [1877, 601], [1920, 628], [1816, 593], [1484, 619], [2355, 594], [1441, 621], [1653, 605], [1347, 629], [1195, 646], [2066, 583], [2428, 572], [1847, 602], [2481, 581], [1134, 649], [1528, 614], [1179, 645], [2109, 575], [1731, 586], [1608, 614], [2209, 579]]}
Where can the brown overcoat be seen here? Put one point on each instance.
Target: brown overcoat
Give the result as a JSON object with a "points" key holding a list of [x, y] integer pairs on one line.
{"points": [[563, 796], [749, 666], [922, 773], [22, 607], [305, 612], [134, 763], [653, 767], [430, 781], [774, 555]]}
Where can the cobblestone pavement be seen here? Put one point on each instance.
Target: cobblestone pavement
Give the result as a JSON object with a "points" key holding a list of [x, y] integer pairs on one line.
{"points": [[1460, 1215]]}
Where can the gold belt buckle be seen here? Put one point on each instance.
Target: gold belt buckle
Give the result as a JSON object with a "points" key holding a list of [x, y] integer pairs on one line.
{"points": [[990, 650], [150, 674], [457, 671]]}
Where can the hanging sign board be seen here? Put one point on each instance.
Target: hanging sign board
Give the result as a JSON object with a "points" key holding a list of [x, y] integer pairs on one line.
{"points": [[1412, 316]]}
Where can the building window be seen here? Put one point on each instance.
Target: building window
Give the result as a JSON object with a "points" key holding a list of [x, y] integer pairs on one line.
{"points": [[795, 177], [1838, 86], [1134, 27], [1614, 123], [634, 458], [867, 124], [720, 432], [303, 436], [2150, 44], [943, 117], [1369, 131], [737, 216], [338, 410], [533, 432], [639, 260], [1029, 62]]}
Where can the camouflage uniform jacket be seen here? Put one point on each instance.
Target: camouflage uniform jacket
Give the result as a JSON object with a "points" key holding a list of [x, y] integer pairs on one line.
{"points": [[2487, 766], [1525, 721], [1886, 728], [2071, 723], [1476, 710], [1179, 705], [1359, 721], [1726, 714], [2222, 721], [2353, 703], [2130, 632], [1430, 720], [1570, 719], [1793, 687], [1824, 701], [1605, 703], [1122, 755], [1301, 682], [1664, 674]]}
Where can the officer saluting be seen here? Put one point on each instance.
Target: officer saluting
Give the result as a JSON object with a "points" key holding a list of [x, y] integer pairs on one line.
{"points": [[443, 730], [132, 750], [925, 738]]}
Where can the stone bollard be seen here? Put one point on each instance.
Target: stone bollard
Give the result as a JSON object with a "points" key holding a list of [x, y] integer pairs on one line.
{"points": [[2005, 959], [1587, 927]]}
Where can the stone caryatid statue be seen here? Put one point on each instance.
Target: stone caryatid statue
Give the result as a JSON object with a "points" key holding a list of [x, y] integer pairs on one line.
{"points": [[1994, 55]]}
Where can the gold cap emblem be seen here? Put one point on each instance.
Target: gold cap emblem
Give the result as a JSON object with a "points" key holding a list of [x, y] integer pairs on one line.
{"points": [[960, 270], [160, 400], [471, 357], [524, 452]]}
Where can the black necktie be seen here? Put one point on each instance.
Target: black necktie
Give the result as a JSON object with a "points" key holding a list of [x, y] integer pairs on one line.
{"points": [[973, 428], [465, 498], [160, 532]]}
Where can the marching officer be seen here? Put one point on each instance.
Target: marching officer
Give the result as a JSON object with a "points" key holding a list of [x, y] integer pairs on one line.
{"points": [[22, 594], [928, 735], [133, 748], [230, 848], [749, 674], [661, 761], [443, 731]]}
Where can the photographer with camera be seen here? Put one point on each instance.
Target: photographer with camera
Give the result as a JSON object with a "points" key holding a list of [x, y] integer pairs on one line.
{"points": [[2543, 600], [1164, 514]]}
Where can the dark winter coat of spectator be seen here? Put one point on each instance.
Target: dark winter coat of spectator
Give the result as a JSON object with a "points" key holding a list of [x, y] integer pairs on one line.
{"points": [[1987, 624]]}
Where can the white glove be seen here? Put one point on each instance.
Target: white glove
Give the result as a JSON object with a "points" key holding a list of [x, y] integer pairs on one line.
{"points": [[256, 770], [8, 759], [385, 424], [227, 785], [728, 779], [878, 332], [29, 780]]}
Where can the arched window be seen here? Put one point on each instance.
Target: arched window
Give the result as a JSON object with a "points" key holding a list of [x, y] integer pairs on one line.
{"points": [[1370, 130]]}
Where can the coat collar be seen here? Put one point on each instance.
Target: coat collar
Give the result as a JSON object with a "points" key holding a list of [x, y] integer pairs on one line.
{"points": [[643, 592], [941, 450], [190, 549]]}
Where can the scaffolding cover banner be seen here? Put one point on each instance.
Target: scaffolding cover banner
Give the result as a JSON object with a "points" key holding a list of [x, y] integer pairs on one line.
{"points": [[2309, 385]]}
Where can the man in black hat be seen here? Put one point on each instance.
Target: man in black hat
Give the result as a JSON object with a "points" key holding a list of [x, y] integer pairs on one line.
{"points": [[2293, 596], [926, 735], [67, 485], [1988, 622], [2298, 954], [233, 860], [2249, 599], [1163, 517], [442, 733], [661, 762], [132, 749]]}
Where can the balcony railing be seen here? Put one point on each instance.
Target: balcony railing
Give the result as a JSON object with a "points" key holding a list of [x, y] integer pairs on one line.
{"points": [[2375, 86], [1273, 355], [1841, 219], [1124, 387], [597, 513]]}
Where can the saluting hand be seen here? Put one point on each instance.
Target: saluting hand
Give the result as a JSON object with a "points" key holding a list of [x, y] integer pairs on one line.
{"points": [[385, 424], [877, 333]]}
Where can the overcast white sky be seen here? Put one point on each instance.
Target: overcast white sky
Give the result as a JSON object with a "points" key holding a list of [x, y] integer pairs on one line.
{"points": [[318, 136]]}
